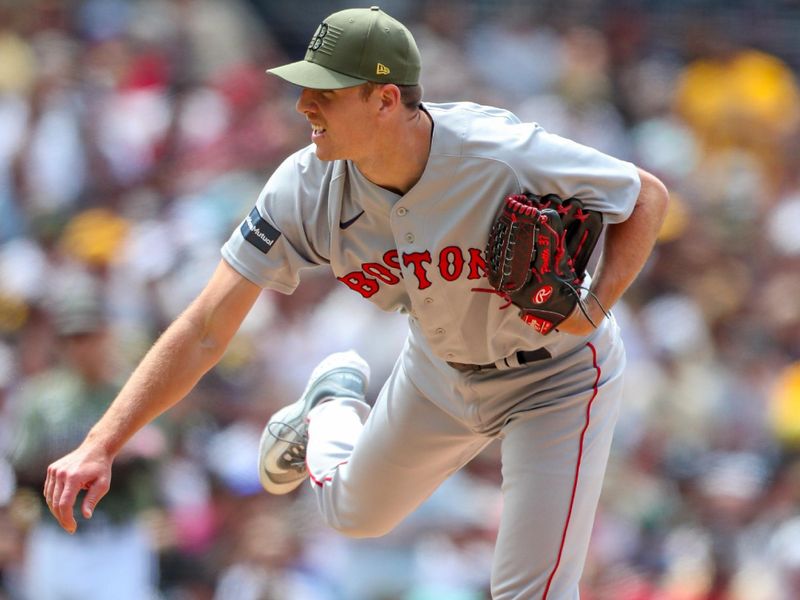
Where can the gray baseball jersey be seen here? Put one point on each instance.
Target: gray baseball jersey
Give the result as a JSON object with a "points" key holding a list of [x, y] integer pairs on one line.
{"points": [[422, 253]]}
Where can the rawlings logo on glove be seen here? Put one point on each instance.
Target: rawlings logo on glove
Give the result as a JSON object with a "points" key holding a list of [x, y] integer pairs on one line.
{"points": [[537, 254]]}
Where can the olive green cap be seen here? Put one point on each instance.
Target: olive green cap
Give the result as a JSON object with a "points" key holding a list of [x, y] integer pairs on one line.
{"points": [[352, 47]]}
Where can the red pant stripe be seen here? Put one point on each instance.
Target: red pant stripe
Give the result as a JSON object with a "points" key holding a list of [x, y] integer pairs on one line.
{"points": [[577, 470], [320, 482]]}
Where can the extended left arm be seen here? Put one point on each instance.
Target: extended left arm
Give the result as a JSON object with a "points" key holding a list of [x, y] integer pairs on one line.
{"points": [[627, 246]]}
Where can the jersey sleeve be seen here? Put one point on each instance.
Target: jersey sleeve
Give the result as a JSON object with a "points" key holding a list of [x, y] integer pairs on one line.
{"points": [[547, 163], [287, 231]]}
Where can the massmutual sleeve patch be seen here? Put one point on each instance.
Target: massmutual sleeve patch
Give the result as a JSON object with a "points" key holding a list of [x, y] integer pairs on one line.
{"points": [[258, 232]]}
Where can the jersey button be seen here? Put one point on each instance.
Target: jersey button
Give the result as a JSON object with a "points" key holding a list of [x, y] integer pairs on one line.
{"points": [[402, 211], [440, 331], [429, 300], [410, 238]]}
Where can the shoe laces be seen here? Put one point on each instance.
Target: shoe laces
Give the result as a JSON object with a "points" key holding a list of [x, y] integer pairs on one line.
{"points": [[295, 455]]}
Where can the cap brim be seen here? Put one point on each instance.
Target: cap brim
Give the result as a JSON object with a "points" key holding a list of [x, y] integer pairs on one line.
{"points": [[311, 75]]}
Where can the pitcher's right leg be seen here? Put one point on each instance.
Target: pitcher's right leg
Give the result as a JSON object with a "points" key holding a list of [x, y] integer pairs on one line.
{"points": [[370, 469], [282, 450]]}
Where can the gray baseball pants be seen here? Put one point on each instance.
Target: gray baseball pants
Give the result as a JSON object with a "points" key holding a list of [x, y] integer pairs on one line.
{"points": [[371, 468]]}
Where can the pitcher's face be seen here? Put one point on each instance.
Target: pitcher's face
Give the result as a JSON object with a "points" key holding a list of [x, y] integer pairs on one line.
{"points": [[342, 122]]}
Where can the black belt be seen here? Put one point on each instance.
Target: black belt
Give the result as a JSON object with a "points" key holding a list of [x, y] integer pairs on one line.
{"points": [[523, 358]]}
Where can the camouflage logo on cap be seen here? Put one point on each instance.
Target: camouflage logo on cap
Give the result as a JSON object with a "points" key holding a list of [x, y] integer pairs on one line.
{"points": [[325, 39], [320, 34]]}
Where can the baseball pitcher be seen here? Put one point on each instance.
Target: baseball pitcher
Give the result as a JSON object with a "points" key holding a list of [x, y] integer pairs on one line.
{"points": [[479, 228]]}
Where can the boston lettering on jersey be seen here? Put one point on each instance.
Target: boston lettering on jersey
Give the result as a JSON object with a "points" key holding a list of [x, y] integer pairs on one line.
{"points": [[451, 264], [258, 231]]}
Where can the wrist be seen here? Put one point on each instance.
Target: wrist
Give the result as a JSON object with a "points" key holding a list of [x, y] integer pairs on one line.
{"points": [[96, 444], [589, 311], [596, 309]]}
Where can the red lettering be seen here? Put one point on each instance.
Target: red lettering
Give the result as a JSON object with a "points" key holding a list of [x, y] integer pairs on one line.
{"points": [[390, 258], [358, 282], [539, 324], [418, 259], [451, 263], [545, 266], [381, 273], [477, 265]]}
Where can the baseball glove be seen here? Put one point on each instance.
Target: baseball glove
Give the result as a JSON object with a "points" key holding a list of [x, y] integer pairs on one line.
{"points": [[537, 254]]}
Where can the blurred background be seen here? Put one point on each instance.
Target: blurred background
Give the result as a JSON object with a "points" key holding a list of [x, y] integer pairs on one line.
{"points": [[134, 137]]}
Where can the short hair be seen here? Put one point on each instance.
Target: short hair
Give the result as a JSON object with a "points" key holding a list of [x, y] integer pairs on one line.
{"points": [[410, 95]]}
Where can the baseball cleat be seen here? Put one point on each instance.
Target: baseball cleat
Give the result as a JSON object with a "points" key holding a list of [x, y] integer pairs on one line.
{"points": [[282, 450]]}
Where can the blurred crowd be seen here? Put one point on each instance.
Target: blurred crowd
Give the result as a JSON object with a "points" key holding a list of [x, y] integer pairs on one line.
{"points": [[136, 134]]}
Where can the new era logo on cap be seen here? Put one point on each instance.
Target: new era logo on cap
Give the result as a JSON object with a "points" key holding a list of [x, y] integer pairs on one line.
{"points": [[354, 46]]}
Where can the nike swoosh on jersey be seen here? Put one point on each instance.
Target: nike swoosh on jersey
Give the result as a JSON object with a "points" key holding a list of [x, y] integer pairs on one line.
{"points": [[346, 224]]}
